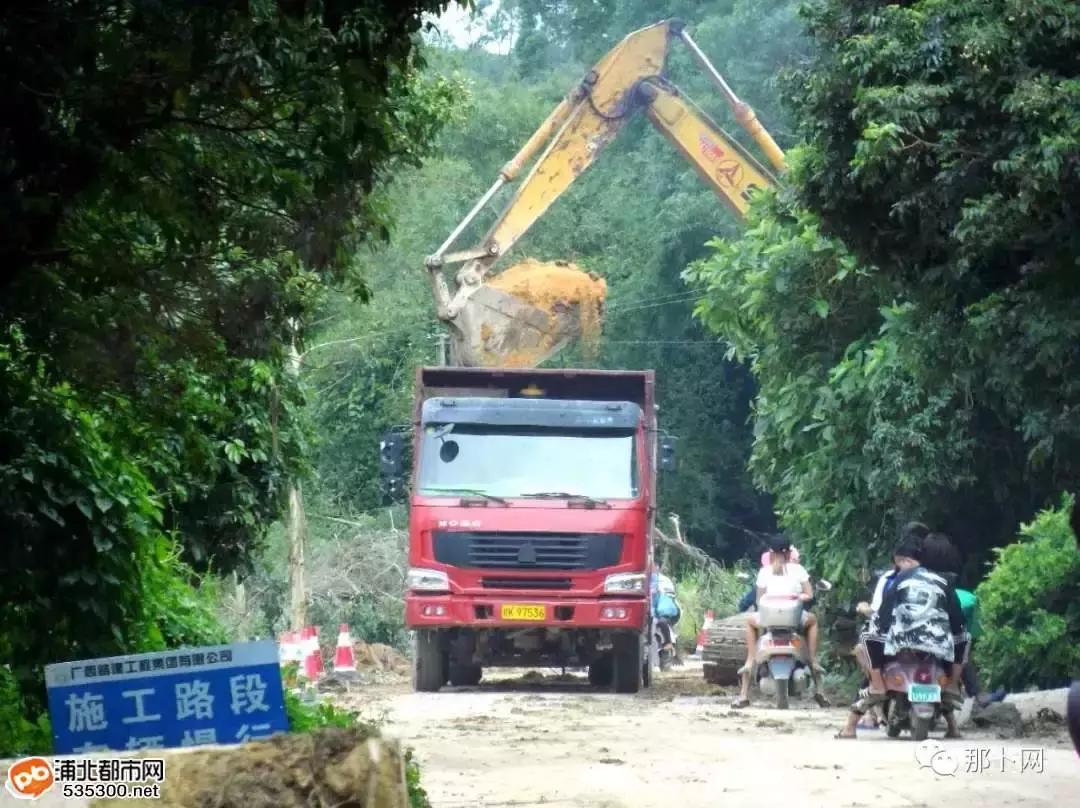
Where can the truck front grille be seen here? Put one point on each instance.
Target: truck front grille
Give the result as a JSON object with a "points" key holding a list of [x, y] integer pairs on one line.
{"points": [[525, 583], [532, 551]]}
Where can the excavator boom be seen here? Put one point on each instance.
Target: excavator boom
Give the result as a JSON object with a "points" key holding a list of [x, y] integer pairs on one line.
{"points": [[489, 325]]}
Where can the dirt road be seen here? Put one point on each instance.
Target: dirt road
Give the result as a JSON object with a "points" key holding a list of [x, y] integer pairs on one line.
{"points": [[518, 742]]}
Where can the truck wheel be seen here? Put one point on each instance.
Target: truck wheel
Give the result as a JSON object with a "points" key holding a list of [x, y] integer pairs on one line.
{"points": [[465, 675], [428, 673], [627, 655], [600, 671]]}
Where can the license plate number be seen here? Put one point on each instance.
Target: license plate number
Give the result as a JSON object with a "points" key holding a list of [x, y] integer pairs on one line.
{"points": [[924, 694], [523, 611]]}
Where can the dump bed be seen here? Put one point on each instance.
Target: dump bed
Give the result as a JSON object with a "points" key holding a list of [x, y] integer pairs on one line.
{"points": [[582, 385]]}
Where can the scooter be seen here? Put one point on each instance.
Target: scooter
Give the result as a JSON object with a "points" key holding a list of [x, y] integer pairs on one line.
{"points": [[782, 660], [914, 681]]}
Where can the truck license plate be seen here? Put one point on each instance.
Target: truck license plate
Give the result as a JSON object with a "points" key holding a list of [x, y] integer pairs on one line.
{"points": [[523, 611], [924, 694]]}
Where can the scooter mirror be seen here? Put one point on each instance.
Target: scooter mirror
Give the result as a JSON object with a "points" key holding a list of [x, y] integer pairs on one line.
{"points": [[743, 576], [823, 586]]}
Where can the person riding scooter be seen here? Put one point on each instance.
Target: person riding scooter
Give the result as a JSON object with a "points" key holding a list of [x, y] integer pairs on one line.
{"points": [[664, 605], [665, 613], [920, 612], [870, 651], [781, 578], [747, 601]]}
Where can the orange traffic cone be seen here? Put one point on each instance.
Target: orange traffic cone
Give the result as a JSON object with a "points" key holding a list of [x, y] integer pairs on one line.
{"points": [[309, 645], [344, 655]]}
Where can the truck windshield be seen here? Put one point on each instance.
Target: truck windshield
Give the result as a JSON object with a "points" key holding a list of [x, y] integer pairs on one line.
{"points": [[516, 461]]}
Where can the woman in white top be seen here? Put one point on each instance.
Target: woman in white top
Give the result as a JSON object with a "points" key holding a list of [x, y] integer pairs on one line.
{"points": [[781, 578]]}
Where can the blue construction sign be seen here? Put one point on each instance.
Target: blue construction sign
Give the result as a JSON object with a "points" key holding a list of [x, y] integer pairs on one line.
{"points": [[219, 694]]}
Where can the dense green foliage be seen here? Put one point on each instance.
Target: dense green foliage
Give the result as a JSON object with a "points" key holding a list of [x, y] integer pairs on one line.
{"points": [[19, 734], [700, 590], [907, 303], [1030, 606], [180, 181]]}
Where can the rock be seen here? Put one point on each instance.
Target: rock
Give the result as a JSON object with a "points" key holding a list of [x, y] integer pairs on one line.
{"points": [[1030, 704], [1001, 717], [337, 682], [378, 657], [329, 767]]}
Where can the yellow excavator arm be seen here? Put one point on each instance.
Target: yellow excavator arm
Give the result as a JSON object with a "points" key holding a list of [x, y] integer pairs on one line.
{"points": [[487, 324]]}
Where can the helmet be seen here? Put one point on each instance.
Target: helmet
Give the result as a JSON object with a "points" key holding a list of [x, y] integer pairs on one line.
{"points": [[779, 543]]}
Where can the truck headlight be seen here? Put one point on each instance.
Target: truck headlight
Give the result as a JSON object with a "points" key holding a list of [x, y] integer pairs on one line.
{"points": [[625, 583], [422, 580]]}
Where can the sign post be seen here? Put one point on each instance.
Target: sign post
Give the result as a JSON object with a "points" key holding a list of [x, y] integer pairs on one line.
{"points": [[219, 694]]}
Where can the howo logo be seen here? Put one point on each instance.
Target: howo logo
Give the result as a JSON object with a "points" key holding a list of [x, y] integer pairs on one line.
{"points": [[527, 554], [459, 523]]}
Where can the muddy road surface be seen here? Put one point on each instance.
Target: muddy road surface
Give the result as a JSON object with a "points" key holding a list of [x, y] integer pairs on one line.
{"points": [[531, 740]]}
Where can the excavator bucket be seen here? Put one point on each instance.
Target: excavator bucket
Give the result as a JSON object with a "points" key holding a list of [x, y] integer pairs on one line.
{"points": [[526, 314]]}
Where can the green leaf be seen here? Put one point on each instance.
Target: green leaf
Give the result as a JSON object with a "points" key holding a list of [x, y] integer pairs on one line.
{"points": [[84, 505]]}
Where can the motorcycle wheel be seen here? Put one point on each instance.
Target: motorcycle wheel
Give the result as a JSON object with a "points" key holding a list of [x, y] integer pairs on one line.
{"points": [[893, 719], [665, 660], [782, 693], [920, 727]]}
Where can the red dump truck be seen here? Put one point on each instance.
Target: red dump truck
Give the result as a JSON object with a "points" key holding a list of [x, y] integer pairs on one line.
{"points": [[532, 501]]}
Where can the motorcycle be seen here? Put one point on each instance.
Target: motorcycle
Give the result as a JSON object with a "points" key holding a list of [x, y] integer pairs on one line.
{"points": [[914, 682], [782, 660]]}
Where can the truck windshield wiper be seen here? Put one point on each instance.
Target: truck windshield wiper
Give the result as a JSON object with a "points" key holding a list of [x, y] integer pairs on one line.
{"points": [[589, 501], [465, 492]]}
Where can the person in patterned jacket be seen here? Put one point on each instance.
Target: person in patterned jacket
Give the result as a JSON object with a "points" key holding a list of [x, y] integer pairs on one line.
{"points": [[921, 612]]}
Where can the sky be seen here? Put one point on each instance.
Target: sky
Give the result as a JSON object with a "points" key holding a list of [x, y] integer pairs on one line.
{"points": [[456, 22]]}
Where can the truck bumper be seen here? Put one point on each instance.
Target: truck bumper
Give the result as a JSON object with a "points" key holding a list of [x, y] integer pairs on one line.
{"points": [[457, 611]]}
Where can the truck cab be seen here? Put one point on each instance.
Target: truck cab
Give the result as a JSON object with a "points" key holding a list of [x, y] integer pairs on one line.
{"points": [[532, 501]]}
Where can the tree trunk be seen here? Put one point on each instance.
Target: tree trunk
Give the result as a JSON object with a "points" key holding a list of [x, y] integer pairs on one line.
{"points": [[296, 525]]}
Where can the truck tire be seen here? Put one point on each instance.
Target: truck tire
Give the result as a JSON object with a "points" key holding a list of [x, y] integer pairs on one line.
{"points": [[429, 671], [627, 658], [465, 675], [600, 671], [725, 650]]}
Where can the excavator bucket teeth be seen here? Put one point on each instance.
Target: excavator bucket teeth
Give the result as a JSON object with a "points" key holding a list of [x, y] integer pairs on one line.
{"points": [[496, 329]]}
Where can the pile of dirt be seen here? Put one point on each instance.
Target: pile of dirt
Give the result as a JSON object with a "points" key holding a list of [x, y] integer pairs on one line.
{"points": [[329, 767], [570, 296], [378, 657]]}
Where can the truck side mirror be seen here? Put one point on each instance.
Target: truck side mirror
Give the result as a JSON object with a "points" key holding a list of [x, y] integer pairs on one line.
{"points": [[667, 453], [391, 450]]}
